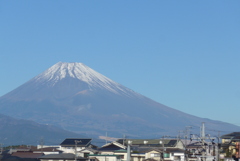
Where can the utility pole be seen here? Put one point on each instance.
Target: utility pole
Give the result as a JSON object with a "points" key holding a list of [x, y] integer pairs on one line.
{"points": [[124, 138], [76, 142], [1, 148], [162, 142], [203, 141], [129, 151], [186, 141], [187, 131], [217, 150], [41, 143]]}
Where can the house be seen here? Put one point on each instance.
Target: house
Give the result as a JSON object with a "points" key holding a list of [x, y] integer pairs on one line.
{"points": [[25, 152], [161, 143], [168, 154], [20, 149], [47, 150], [33, 151], [175, 154], [86, 152], [72, 145], [110, 148], [231, 145]]}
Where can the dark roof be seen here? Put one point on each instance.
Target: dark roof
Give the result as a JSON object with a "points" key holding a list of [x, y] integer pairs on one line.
{"points": [[175, 150], [151, 149], [171, 143], [234, 135], [14, 158], [110, 147], [93, 146], [27, 154], [68, 156], [112, 155], [195, 145], [72, 142]]}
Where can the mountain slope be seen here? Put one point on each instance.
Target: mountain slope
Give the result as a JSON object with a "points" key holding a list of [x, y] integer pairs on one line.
{"points": [[18, 132], [77, 98]]}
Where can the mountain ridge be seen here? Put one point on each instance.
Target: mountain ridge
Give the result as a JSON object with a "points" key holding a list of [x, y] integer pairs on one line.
{"points": [[19, 131]]}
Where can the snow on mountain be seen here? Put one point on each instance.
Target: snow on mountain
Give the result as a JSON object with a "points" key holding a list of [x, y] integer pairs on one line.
{"points": [[81, 72], [68, 79]]}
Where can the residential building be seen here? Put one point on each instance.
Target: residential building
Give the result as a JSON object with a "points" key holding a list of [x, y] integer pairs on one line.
{"points": [[231, 145], [72, 145]]}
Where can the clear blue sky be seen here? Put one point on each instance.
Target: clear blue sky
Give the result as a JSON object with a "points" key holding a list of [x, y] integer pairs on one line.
{"points": [[184, 54]]}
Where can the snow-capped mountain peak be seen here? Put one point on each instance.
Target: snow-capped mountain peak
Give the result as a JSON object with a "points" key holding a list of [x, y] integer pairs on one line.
{"points": [[81, 72]]}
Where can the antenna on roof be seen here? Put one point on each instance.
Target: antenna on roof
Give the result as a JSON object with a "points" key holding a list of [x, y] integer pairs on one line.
{"points": [[41, 143], [124, 138], [1, 148], [219, 134], [106, 138]]}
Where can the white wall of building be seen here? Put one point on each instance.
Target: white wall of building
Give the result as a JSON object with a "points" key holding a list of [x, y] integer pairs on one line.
{"points": [[106, 158], [70, 149]]}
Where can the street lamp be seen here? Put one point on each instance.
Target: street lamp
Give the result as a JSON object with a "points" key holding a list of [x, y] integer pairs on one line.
{"points": [[217, 147], [162, 143]]}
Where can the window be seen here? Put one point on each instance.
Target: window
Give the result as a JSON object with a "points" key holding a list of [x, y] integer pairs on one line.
{"points": [[177, 158], [86, 155], [166, 155], [155, 155], [227, 140]]}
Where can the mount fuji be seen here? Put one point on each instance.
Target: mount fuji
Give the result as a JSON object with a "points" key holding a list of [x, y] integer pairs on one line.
{"points": [[77, 98]]}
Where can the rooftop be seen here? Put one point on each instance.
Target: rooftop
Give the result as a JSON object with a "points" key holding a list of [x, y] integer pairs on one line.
{"points": [[76, 141]]}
